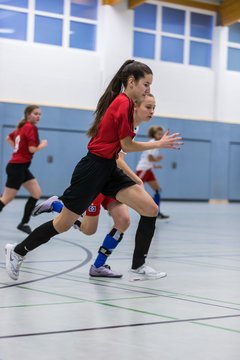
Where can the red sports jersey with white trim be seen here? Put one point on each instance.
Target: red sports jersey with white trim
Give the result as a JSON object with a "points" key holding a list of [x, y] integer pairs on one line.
{"points": [[116, 124], [24, 137]]}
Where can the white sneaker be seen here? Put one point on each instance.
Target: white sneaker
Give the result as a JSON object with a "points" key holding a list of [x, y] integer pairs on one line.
{"points": [[13, 261], [145, 272], [45, 206]]}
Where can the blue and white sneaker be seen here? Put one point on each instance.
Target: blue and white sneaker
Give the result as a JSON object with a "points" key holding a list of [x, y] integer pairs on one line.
{"points": [[45, 206]]}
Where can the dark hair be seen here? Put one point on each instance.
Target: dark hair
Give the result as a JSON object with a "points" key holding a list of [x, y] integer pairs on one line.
{"points": [[153, 130], [130, 68], [27, 111]]}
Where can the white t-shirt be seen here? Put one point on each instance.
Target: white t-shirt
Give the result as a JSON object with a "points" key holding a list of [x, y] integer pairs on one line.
{"points": [[144, 164]]}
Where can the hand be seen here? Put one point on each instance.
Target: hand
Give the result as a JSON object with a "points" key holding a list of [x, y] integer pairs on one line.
{"points": [[157, 166], [43, 143], [172, 141], [159, 158]]}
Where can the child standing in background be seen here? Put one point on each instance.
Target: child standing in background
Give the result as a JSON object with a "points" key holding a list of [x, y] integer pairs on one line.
{"points": [[147, 163]]}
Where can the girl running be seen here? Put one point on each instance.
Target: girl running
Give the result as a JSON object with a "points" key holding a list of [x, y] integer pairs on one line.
{"points": [[25, 142], [111, 131]]}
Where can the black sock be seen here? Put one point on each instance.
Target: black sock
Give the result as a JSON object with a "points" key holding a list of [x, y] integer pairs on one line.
{"points": [[29, 206], [143, 239], [1, 205], [39, 236]]}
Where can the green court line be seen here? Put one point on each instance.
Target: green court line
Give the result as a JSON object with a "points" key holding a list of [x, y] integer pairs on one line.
{"points": [[43, 304], [176, 294], [174, 319]]}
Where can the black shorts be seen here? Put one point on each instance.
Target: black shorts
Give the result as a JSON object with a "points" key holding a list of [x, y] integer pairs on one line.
{"points": [[91, 176], [17, 174]]}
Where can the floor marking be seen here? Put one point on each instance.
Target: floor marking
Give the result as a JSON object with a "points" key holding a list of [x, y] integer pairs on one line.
{"points": [[193, 320]]}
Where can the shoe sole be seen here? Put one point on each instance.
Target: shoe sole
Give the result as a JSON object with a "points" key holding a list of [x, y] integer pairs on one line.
{"points": [[145, 278], [106, 276], [38, 211]]}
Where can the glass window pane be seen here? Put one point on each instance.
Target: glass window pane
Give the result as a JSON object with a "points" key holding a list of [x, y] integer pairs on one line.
{"points": [[233, 59], [201, 26], [84, 9], [144, 45], [18, 3], [145, 16], [173, 20], [48, 30], [13, 25], [54, 6], [172, 49], [234, 33], [83, 36], [200, 54]]}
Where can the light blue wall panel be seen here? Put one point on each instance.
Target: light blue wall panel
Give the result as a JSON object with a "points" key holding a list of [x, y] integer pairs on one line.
{"points": [[234, 171], [207, 166]]}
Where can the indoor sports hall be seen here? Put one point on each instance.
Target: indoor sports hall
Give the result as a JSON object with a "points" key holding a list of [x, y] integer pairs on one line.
{"points": [[60, 55]]}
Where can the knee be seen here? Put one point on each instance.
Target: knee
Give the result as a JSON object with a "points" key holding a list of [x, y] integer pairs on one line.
{"points": [[88, 232], [122, 223], [151, 210]]}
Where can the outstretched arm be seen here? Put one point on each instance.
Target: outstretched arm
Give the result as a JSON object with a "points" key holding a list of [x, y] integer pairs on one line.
{"points": [[173, 141]]}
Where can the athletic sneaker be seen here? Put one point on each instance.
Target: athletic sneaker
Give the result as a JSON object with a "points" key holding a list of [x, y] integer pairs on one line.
{"points": [[103, 271], [25, 228], [145, 272], [45, 206], [13, 261], [162, 216]]}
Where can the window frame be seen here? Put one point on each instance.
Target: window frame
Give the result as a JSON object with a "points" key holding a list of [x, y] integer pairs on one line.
{"points": [[66, 18], [186, 37]]}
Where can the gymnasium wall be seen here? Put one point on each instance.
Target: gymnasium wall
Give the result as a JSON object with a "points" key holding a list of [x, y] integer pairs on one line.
{"points": [[207, 166]]}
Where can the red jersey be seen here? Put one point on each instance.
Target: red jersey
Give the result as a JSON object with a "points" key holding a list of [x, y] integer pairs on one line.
{"points": [[116, 124], [24, 137]]}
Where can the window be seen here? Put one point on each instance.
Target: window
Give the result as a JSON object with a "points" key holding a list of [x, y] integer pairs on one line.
{"points": [[173, 21], [172, 34], [145, 23], [146, 51], [68, 23], [145, 17], [83, 36], [13, 25], [53, 6], [233, 63], [16, 3], [84, 9], [48, 30], [172, 49]]}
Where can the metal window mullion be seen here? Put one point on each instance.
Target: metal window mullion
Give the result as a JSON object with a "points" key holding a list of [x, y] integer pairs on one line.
{"points": [[66, 24]]}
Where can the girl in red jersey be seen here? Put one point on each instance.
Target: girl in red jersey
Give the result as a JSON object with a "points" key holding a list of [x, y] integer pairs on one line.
{"points": [[25, 141], [111, 131], [88, 223]]}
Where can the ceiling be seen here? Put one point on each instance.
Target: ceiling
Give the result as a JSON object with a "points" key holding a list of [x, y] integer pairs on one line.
{"points": [[228, 11]]}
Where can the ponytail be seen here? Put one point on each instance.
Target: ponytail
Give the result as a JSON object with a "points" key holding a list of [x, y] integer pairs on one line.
{"points": [[129, 68], [28, 110]]}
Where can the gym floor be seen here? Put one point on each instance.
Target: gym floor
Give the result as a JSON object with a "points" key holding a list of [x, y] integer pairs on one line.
{"points": [[56, 312]]}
